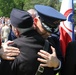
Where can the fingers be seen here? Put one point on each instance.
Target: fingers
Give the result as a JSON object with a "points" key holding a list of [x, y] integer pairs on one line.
{"points": [[9, 58], [48, 59], [43, 65], [12, 54], [11, 49], [9, 53], [43, 54], [53, 51], [9, 42], [42, 60]]}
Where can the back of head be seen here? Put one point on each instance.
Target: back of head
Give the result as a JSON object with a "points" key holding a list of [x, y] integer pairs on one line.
{"points": [[21, 19], [33, 12]]}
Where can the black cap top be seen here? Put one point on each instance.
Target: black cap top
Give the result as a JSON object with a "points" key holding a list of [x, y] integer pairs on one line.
{"points": [[20, 18]]}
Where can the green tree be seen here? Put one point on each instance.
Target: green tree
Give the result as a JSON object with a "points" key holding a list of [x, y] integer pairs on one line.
{"points": [[31, 3], [75, 14], [7, 5], [55, 4]]}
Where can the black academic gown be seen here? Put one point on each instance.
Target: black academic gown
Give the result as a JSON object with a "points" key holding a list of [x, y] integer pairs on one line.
{"points": [[26, 62]]}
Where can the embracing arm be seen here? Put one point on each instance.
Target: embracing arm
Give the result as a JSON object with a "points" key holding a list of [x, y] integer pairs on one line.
{"points": [[8, 52], [49, 60]]}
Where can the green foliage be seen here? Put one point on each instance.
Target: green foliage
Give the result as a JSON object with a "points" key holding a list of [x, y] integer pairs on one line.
{"points": [[75, 14], [31, 3], [7, 5]]}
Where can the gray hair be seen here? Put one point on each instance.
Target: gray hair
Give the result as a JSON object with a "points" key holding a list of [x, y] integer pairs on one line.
{"points": [[33, 12]]}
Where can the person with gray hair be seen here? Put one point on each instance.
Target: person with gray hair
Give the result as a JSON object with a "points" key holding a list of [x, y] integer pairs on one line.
{"points": [[33, 13]]}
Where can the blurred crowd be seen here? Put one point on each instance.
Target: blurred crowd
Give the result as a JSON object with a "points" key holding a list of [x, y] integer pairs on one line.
{"points": [[4, 29]]}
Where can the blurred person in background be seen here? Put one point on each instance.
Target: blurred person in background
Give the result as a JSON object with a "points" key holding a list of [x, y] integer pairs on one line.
{"points": [[5, 32]]}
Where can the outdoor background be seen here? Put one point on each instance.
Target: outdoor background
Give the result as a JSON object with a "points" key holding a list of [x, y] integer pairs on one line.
{"points": [[7, 5]]}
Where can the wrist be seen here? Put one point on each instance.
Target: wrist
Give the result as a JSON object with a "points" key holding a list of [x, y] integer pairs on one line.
{"points": [[58, 66]]}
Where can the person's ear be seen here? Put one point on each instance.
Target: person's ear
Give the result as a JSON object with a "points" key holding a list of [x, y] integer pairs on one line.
{"points": [[17, 33], [35, 20]]}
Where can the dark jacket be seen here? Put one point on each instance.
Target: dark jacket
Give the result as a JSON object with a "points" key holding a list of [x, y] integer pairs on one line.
{"points": [[70, 60], [26, 63], [11, 35]]}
